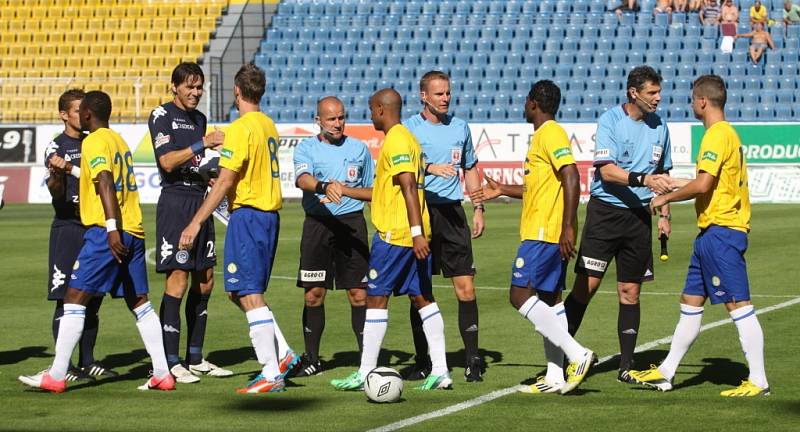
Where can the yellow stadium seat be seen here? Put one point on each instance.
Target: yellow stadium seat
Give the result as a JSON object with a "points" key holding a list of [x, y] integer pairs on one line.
{"points": [[95, 24], [102, 11], [55, 12], [106, 62], [7, 14], [143, 23], [165, 10], [134, 11], [42, 116], [3, 26], [104, 37], [7, 38], [24, 89], [163, 49], [42, 62], [70, 12], [62, 26], [38, 13], [56, 38], [99, 74], [58, 63], [116, 73], [124, 62], [128, 24], [140, 62], [185, 35], [88, 37], [169, 36], [156, 62], [214, 10], [161, 23], [147, 49], [19, 73], [47, 25], [119, 11], [40, 38], [111, 24], [48, 51], [72, 38], [17, 50], [153, 37], [23, 13], [83, 74], [136, 37], [24, 38], [152, 101], [192, 23], [74, 62], [149, 10], [179, 47], [182, 10], [42, 89], [109, 87], [85, 13], [8, 63], [80, 50], [90, 62], [25, 63], [4, 50], [195, 48], [26, 116], [16, 25], [113, 50]]}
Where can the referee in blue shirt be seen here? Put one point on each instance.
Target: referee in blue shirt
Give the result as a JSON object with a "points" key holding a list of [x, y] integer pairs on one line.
{"points": [[334, 250], [447, 147], [632, 158]]}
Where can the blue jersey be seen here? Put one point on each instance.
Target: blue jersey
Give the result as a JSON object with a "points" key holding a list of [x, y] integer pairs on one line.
{"points": [[171, 129], [638, 146], [349, 162], [449, 142], [69, 149]]}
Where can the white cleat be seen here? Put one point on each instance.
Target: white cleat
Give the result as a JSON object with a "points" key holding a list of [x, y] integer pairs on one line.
{"points": [[207, 368], [182, 375]]}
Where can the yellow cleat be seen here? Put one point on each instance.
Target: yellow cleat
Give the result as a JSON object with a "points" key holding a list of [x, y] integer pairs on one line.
{"points": [[652, 378], [747, 389], [576, 372], [541, 386]]}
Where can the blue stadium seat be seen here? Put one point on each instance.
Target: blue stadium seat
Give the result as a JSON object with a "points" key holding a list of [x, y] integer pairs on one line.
{"points": [[765, 112], [783, 112]]}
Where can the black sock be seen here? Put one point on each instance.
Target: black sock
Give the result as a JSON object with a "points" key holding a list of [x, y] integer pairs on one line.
{"points": [[357, 316], [196, 311], [313, 326], [575, 311], [57, 314], [628, 329], [89, 336], [468, 325], [420, 341], [170, 315]]}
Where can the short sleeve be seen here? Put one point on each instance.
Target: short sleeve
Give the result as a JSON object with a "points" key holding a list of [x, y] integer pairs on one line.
{"points": [[558, 148], [711, 154], [468, 158], [368, 168], [303, 162], [97, 155], [605, 143], [665, 164], [398, 152], [234, 149], [161, 132]]}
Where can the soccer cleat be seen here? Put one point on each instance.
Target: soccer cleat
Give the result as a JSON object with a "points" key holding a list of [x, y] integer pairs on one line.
{"points": [[652, 378], [44, 381], [98, 370], [75, 374], [205, 367], [624, 376], [182, 375], [287, 363], [419, 371], [353, 382], [746, 389], [576, 372], [167, 382], [435, 382], [261, 384], [541, 386], [474, 370], [308, 367]]}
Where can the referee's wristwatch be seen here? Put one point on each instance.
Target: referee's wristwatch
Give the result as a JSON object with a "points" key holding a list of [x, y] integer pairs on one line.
{"points": [[479, 207], [667, 216]]}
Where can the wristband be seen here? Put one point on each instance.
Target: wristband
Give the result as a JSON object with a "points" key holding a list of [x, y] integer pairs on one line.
{"points": [[668, 217], [321, 186], [636, 179], [416, 231], [111, 225], [479, 207], [198, 147], [75, 171], [426, 169]]}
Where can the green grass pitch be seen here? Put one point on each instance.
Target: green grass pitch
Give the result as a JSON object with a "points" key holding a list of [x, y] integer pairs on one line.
{"points": [[512, 349]]}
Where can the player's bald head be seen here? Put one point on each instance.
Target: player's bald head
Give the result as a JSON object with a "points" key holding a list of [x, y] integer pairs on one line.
{"points": [[389, 99], [385, 106], [329, 103]]}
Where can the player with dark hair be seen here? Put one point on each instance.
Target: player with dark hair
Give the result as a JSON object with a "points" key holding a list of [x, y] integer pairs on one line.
{"points": [[177, 131], [717, 270], [334, 245], [399, 260], [111, 259], [250, 177], [632, 152], [447, 147], [548, 227]]}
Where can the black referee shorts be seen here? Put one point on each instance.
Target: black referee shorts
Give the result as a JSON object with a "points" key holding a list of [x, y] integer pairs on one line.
{"points": [[451, 242], [612, 232], [334, 249], [66, 240], [174, 211]]}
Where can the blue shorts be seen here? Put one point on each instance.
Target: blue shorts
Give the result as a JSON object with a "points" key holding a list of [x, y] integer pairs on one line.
{"points": [[250, 245], [539, 266], [717, 269], [97, 272], [395, 269]]}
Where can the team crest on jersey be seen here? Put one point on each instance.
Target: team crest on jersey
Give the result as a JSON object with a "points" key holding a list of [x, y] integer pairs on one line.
{"points": [[455, 155], [715, 281], [232, 268], [373, 274], [519, 262], [352, 173], [657, 152], [76, 265], [182, 256]]}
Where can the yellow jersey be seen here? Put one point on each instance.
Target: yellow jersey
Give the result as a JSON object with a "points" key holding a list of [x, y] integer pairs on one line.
{"points": [[728, 202], [105, 150], [400, 153], [251, 149], [543, 196]]}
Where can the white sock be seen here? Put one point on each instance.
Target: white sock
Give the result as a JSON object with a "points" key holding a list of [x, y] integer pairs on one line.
{"points": [[685, 334], [69, 333], [752, 338], [375, 324], [433, 326], [280, 341], [546, 323], [262, 335], [150, 330], [554, 354]]}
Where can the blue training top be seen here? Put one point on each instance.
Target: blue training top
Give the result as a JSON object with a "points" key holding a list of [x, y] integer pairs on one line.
{"points": [[348, 162], [66, 207], [638, 146], [449, 142]]}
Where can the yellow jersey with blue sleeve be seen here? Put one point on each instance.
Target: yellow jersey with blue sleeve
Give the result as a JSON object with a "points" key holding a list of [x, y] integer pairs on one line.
{"points": [[105, 150], [400, 153], [543, 196], [251, 150], [728, 202]]}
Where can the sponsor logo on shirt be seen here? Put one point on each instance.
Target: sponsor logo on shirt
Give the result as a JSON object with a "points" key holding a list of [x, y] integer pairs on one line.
{"points": [[161, 139], [312, 276], [97, 161], [564, 151], [594, 264], [709, 155], [226, 153], [300, 167], [158, 112], [352, 173], [657, 152], [601, 153], [176, 125], [455, 156], [401, 158]]}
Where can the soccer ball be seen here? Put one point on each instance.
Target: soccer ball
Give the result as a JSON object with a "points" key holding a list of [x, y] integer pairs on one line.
{"points": [[383, 384]]}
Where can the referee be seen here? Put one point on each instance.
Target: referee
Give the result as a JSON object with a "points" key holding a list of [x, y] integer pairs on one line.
{"points": [[334, 250], [447, 146], [631, 160]]}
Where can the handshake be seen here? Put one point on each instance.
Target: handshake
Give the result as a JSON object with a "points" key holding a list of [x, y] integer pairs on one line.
{"points": [[661, 184]]}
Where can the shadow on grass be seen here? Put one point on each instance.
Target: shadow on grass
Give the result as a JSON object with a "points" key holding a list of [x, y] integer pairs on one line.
{"points": [[641, 360], [721, 371], [279, 402], [122, 360], [22, 354], [232, 357]]}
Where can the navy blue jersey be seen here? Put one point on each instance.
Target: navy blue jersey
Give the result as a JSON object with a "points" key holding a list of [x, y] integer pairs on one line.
{"points": [[171, 129], [69, 149]]}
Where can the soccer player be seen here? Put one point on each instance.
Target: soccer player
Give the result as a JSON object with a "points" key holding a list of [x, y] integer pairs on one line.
{"points": [[63, 160], [249, 175], [400, 260], [177, 129], [717, 269], [632, 150], [447, 145], [334, 245], [111, 259], [548, 231]]}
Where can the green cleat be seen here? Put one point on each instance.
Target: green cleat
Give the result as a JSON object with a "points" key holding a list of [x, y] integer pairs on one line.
{"points": [[434, 382], [353, 382]]}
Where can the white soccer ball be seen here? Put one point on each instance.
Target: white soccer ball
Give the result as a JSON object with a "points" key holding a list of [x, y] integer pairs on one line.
{"points": [[383, 384]]}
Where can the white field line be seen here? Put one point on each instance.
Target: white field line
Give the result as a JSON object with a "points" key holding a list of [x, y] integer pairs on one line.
{"points": [[506, 391]]}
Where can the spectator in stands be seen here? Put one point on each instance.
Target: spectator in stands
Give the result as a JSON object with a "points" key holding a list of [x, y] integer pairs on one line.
{"points": [[758, 14], [791, 13], [680, 6], [626, 6], [759, 41], [664, 6], [696, 5], [729, 12], [709, 14]]}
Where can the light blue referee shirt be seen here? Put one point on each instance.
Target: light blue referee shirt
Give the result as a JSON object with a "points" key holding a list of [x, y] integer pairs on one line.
{"points": [[449, 142], [349, 162], [639, 146]]}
